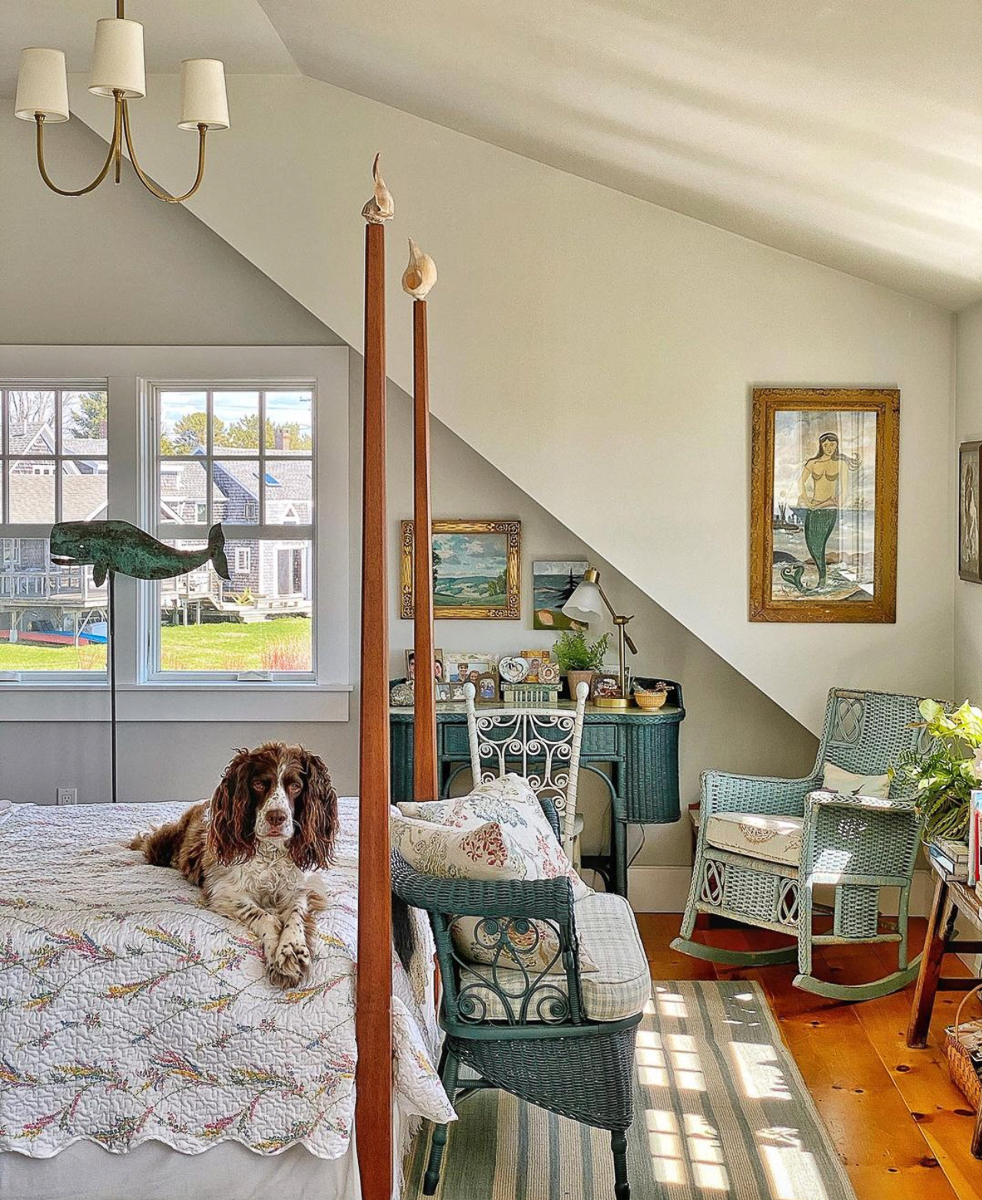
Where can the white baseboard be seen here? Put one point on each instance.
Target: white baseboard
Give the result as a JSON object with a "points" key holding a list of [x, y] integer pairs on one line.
{"points": [[664, 889]]}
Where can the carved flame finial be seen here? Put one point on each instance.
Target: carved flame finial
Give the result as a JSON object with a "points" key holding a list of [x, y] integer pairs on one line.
{"points": [[381, 207], [420, 275]]}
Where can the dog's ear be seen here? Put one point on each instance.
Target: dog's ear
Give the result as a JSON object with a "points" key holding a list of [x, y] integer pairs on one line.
{"points": [[315, 815], [231, 834]]}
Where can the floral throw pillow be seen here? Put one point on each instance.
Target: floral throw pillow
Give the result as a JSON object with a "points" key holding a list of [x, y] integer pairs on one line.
{"points": [[848, 784], [493, 850], [511, 804]]}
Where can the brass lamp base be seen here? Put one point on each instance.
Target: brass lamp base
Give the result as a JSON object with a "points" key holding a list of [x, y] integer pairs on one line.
{"points": [[613, 702]]}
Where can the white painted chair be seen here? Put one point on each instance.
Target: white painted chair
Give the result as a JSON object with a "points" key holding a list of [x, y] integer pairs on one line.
{"points": [[541, 744]]}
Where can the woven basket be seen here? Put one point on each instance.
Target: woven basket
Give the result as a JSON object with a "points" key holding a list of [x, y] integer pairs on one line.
{"points": [[650, 700], [960, 1041]]}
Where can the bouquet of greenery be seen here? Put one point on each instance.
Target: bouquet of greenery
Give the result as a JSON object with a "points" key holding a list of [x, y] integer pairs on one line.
{"points": [[574, 653], [946, 776]]}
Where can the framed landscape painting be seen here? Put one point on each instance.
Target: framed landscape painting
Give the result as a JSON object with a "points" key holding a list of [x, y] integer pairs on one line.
{"points": [[969, 478], [476, 570], [553, 582], [823, 516]]}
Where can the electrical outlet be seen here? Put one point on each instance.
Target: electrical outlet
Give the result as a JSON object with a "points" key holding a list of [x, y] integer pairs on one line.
{"points": [[67, 795]]}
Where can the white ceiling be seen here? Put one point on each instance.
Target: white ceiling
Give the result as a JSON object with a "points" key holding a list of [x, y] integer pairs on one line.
{"points": [[237, 31], [847, 131]]}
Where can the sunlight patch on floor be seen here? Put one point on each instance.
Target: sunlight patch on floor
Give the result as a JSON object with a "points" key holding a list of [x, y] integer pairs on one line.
{"points": [[759, 1071], [791, 1170]]}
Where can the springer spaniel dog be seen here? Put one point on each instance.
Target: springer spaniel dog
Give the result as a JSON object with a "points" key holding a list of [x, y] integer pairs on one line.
{"points": [[272, 820]]}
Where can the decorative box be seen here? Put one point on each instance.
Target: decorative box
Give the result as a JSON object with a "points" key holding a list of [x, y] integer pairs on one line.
{"points": [[531, 693]]}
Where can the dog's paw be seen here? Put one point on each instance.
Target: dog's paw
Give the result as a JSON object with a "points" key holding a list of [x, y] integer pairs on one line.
{"points": [[289, 964]]}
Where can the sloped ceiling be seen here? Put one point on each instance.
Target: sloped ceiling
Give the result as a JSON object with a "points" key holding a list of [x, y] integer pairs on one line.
{"points": [[849, 133]]}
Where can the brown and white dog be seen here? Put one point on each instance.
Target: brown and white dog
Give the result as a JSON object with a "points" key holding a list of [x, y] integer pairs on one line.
{"points": [[272, 820]]}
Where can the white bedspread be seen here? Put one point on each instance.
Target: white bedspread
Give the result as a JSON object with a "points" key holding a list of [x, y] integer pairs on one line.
{"points": [[130, 1013]]}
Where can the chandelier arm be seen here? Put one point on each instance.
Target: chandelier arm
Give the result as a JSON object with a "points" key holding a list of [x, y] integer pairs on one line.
{"points": [[113, 149], [147, 182]]}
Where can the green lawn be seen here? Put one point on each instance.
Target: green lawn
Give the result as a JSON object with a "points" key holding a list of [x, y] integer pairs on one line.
{"points": [[279, 645]]}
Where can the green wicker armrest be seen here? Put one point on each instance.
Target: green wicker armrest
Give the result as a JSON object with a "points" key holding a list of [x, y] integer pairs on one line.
{"points": [[722, 792], [859, 838], [542, 899]]}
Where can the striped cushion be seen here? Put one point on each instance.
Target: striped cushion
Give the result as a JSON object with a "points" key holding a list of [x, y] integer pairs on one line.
{"points": [[607, 931], [773, 838]]}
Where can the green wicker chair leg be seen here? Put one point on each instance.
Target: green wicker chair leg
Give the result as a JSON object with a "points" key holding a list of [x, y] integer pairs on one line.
{"points": [[431, 1181], [618, 1143]]}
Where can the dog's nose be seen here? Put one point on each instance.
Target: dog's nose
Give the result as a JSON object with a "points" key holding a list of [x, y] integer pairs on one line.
{"points": [[276, 818]]}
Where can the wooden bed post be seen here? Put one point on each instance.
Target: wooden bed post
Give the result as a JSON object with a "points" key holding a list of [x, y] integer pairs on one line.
{"points": [[419, 277], [373, 1017]]}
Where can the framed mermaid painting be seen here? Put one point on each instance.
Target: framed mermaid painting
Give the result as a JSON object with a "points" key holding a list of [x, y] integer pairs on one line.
{"points": [[823, 517]]}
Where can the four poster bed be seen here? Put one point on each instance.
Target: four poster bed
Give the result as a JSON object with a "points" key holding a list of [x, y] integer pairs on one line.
{"points": [[134, 1022]]}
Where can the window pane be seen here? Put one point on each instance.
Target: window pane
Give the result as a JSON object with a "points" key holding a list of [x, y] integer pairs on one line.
{"points": [[235, 492], [236, 422], [32, 421], [51, 618], [32, 491], [288, 422], [183, 493], [259, 621], [183, 422], [85, 422], [289, 499], [84, 490]]}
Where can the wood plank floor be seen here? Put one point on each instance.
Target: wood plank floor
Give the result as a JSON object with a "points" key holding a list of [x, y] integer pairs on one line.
{"points": [[899, 1124]]}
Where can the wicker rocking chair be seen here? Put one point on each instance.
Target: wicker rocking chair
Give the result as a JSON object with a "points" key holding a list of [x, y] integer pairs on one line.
{"points": [[811, 837], [559, 1040]]}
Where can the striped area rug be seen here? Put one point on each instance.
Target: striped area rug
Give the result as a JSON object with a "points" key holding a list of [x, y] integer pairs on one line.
{"points": [[720, 1110]]}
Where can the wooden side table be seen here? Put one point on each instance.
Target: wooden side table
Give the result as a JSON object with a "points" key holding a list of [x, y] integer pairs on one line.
{"points": [[950, 899]]}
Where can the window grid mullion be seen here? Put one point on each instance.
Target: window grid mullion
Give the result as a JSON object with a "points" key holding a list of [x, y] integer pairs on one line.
{"points": [[5, 397], [262, 457], [59, 445]]}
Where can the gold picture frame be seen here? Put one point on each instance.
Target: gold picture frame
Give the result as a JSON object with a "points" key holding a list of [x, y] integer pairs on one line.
{"points": [[823, 504], [969, 540], [494, 546]]}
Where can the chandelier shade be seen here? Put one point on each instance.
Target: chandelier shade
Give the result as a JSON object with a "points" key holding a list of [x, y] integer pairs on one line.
{"points": [[42, 85], [119, 72], [204, 100], [117, 60]]}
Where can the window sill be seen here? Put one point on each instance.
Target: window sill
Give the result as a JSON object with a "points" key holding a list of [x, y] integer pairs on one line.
{"points": [[175, 702]]}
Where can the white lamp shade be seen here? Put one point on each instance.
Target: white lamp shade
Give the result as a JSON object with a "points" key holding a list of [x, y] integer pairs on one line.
{"points": [[585, 603], [42, 85], [117, 61], [204, 100]]}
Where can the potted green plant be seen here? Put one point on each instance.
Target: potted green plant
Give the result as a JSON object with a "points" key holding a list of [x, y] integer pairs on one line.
{"points": [[946, 775], [577, 659]]}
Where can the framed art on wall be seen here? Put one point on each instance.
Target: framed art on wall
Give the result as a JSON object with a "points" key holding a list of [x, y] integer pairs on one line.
{"points": [[969, 479], [553, 582], [476, 570], [823, 507]]}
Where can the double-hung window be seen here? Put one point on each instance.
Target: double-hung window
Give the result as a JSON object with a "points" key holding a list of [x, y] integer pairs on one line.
{"points": [[54, 454], [177, 440], [244, 456]]}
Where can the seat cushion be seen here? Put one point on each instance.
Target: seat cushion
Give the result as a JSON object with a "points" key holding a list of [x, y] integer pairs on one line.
{"points": [[618, 988], [772, 838]]}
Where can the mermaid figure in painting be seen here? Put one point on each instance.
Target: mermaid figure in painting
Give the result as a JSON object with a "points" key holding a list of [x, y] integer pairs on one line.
{"points": [[821, 474]]}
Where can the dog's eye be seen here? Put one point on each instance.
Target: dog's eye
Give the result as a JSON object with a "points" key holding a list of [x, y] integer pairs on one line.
{"points": [[260, 785], [293, 789]]}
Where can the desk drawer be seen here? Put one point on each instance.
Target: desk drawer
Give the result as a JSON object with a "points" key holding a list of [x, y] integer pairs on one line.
{"points": [[601, 741], [455, 743]]}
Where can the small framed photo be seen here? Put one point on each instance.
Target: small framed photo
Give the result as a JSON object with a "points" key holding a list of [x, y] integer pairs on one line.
{"points": [[969, 481], [487, 688], [606, 686], [459, 667], [443, 693], [411, 665], [456, 692], [535, 660]]}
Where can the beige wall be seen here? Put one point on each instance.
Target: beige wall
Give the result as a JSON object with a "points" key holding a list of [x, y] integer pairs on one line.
{"points": [[577, 327], [191, 286], [967, 428]]}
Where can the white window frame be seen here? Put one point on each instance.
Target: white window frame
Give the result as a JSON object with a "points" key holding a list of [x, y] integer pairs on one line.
{"points": [[54, 460], [131, 371], [243, 561], [233, 533]]}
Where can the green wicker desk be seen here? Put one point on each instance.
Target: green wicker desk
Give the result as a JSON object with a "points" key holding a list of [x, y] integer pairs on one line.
{"points": [[641, 750]]}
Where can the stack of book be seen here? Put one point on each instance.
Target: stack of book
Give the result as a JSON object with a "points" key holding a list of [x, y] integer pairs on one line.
{"points": [[951, 858]]}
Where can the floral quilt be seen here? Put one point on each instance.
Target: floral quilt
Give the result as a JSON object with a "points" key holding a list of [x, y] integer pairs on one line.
{"points": [[130, 1013]]}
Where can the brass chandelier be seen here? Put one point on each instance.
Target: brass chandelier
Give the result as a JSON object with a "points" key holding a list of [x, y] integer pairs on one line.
{"points": [[118, 70]]}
